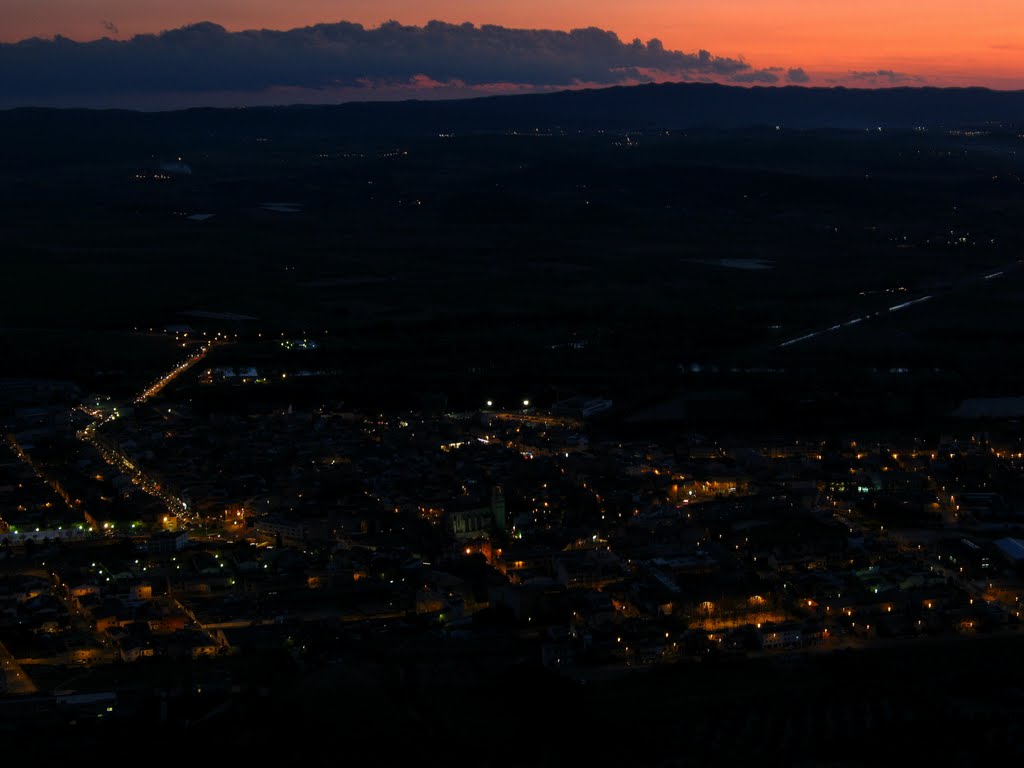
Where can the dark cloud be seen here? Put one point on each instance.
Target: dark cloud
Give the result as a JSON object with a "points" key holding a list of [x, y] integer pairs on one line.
{"points": [[205, 58], [797, 75], [884, 76], [755, 76]]}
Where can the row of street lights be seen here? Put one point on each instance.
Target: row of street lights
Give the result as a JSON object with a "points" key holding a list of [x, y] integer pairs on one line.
{"points": [[526, 403]]}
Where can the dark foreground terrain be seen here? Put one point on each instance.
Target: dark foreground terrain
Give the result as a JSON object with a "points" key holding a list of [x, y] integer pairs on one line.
{"points": [[938, 703]]}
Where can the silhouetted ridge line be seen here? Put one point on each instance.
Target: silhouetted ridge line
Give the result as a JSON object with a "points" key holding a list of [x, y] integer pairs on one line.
{"points": [[661, 106]]}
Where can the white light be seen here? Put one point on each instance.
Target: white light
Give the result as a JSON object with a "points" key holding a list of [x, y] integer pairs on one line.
{"points": [[526, 403]]}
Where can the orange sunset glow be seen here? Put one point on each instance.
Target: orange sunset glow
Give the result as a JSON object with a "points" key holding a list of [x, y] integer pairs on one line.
{"points": [[938, 42]]}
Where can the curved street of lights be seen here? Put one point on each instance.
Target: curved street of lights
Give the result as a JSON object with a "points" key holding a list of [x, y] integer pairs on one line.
{"points": [[117, 458]]}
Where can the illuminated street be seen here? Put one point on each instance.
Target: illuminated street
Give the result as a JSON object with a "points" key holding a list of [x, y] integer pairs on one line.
{"points": [[157, 386], [146, 480]]}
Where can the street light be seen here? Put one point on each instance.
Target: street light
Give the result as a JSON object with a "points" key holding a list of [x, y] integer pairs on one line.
{"points": [[526, 403], [490, 403]]}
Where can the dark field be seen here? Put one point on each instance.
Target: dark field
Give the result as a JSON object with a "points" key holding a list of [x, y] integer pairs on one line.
{"points": [[602, 262]]}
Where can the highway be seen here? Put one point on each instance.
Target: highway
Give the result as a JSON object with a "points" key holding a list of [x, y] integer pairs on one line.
{"points": [[938, 292]]}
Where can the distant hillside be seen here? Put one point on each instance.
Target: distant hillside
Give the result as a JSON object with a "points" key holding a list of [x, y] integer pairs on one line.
{"points": [[695, 105], [663, 106]]}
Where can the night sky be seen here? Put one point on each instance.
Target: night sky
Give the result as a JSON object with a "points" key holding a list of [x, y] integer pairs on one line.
{"points": [[511, 47]]}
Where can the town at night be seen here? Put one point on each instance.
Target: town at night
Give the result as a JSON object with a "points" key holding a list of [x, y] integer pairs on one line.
{"points": [[509, 396]]}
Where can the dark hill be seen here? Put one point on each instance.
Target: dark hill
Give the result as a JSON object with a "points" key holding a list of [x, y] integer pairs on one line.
{"points": [[664, 106]]}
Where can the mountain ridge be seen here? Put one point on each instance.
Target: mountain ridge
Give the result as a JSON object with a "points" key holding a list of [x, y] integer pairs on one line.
{"points": [[665, 106]]}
